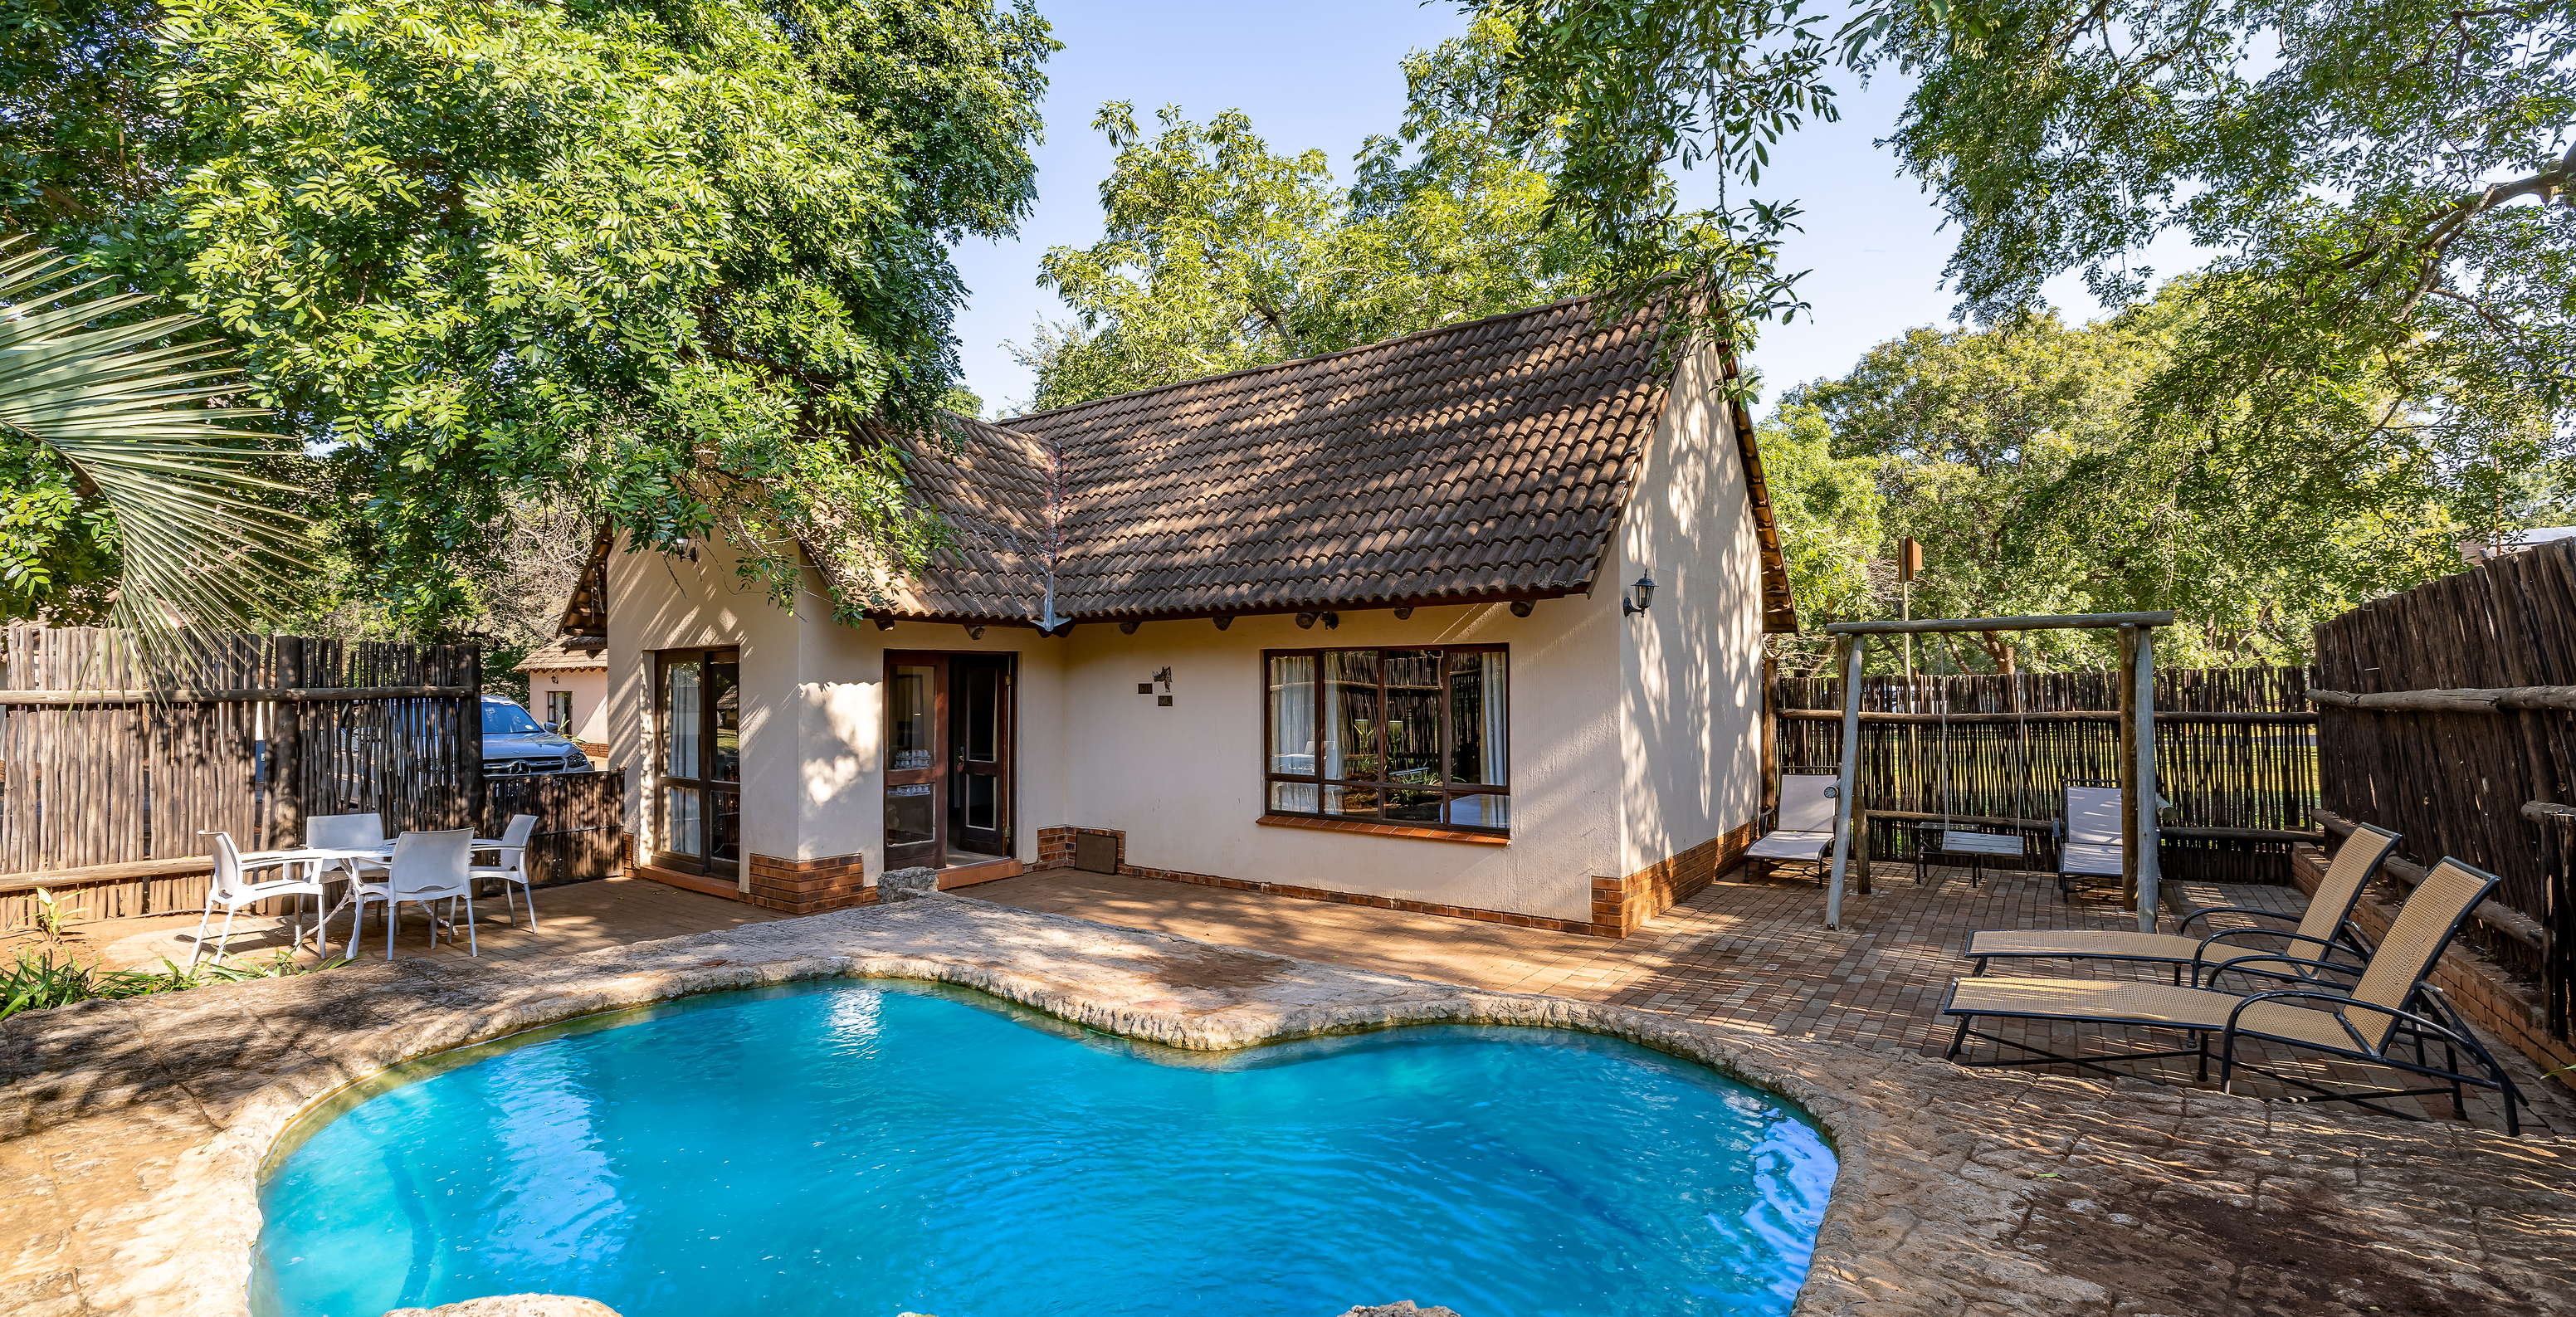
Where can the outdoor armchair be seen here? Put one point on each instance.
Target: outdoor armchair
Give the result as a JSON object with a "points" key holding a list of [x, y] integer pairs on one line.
{"points": [[1802, 828], [348, 832], [232, 888], [511, 866], [427, 867], [2310, 950], [2089, 845], [2392, 1006]]}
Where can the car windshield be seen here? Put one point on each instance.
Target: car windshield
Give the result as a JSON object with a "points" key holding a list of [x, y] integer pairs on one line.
{"points": [[508, 720]]}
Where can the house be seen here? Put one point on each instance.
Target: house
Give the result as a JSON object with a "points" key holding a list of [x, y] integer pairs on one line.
{"points": [[568, 689], [1368, 626]]}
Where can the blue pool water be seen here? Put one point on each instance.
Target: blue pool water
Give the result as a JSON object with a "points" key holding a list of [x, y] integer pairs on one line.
{"points": [[865, 1150]]}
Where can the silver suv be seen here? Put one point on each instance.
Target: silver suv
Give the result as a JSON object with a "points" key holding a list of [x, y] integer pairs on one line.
{"points": [[515, 744]]}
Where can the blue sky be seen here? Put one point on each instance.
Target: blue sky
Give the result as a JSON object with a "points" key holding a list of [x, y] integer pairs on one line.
{"points": [[1325, 74]]}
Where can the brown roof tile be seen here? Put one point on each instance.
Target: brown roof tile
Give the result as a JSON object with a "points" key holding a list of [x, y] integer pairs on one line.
{"points": [[1488, 458]]}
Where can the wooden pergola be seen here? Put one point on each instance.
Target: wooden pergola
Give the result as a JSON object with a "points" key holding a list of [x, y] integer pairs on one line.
{"points": [[2137, 736]]}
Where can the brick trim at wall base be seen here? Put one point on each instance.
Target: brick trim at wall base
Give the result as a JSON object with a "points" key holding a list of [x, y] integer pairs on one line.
{"points": [[792, 887], [2483, 994], [1620, 905], [809, 887]]}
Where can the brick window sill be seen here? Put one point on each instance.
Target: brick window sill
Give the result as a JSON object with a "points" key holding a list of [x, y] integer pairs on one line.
{"points": [[1383, 829]]}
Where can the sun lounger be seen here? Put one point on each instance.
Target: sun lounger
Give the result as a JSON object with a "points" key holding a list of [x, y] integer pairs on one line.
{"points": [[2088, 836], [2392, 1006], [2323, 948], [1802, 832]]}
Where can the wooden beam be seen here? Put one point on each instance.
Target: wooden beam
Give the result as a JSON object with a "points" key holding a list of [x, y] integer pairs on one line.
{"points": [[2491, 912], [2466, 700], [2067, 622], [2177, 716], [2128, 763], [1855, 648], [33, 699], [2541, 811], [2284, 835], [2145, 852], [105, 873]]}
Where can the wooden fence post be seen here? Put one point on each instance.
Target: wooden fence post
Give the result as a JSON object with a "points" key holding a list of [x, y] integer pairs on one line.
{"points": [[2128, 762], [1855, 648], [2143, 838]]}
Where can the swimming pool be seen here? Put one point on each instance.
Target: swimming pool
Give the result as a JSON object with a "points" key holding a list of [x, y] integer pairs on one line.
{"points": [[868, 1148]]}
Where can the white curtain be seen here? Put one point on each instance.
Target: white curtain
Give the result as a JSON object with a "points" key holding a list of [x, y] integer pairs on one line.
{"points": [[1292, 714], [1495, 733], [680, 721]]}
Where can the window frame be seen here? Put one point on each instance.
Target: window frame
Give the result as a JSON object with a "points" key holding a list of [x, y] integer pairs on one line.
{"points": [[1450, 791]]}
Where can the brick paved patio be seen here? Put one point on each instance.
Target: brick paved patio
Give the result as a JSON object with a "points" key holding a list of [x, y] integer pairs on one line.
{"points": [[1747, 953]]}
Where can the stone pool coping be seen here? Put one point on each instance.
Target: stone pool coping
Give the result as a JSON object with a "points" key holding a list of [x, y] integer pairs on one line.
{"points": [[132, 1132]]}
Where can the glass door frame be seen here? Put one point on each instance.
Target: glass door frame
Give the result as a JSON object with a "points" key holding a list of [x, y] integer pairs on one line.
{"points": [[926, 776], [718, 797], [943, 774]]}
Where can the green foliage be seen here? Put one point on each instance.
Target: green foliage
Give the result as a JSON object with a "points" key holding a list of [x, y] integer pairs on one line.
{"points": [[2387, 183], [1829, 512], [2016, 456], [1633, 91], [1221, 254], [38, 981], [126, 501], [665, 262]]}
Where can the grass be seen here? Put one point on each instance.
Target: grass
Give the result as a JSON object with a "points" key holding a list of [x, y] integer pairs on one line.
{"points": [[41, 980]]}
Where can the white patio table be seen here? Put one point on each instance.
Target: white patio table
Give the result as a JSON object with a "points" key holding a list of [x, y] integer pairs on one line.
{"points": [[338, 857]]}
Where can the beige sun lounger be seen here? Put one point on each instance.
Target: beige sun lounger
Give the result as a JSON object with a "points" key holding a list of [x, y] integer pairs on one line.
{"points": [[1803, 829], [2369, 1024], [2307, 953]]}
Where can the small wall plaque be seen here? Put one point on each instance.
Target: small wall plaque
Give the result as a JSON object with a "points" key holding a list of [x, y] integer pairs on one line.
{"points": [[1164, 701], [1144, 688]]}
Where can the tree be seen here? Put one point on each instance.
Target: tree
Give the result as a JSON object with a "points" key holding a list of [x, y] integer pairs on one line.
{"points": [[1829, 512], [1221, 254], [2387, 182], [2016, 456], [668, 263]]}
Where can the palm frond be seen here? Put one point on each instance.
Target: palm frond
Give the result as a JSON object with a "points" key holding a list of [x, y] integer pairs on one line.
{"points": [[202, 537]]}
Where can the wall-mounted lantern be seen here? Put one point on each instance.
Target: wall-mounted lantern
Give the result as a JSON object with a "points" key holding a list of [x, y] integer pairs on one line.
{"points": [[1642, 599]]}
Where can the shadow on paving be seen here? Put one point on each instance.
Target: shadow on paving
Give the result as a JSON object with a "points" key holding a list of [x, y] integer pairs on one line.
{"points": [[1756, 954]]}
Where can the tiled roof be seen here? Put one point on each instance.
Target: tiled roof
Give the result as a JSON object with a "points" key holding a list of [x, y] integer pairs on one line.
{"points": [[565, 654], [998, 492], [1488, 460]]}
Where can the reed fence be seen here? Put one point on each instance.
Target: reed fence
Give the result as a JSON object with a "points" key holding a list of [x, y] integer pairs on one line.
{"points": [[2448, 714], [113, 762], [581, 833], [2235, 755]]}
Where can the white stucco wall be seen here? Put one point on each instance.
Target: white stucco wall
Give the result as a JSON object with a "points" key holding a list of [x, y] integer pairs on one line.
{"points": [[1185, 783], [589, 690], [813, 705], [1690, 698]]}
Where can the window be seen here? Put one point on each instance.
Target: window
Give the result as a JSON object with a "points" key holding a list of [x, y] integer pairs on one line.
{"points": [[698, 761], [559, 710], [1403, 736]]}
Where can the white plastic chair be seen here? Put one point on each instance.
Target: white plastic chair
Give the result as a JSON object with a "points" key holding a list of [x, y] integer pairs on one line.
{"points": [[513, 867], [233, 889], [347, 832], [427, 866], [1804, 828]]}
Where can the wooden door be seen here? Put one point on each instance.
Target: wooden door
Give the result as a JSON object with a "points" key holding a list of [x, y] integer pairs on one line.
{"points": [[916, 775], [980, 734]]}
